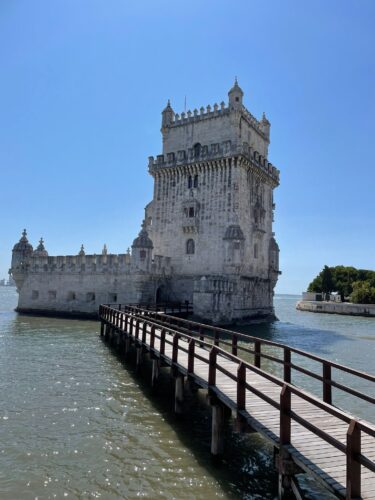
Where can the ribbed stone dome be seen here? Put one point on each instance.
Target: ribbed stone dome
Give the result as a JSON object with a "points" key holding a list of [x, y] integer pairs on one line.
{"points": [[234, 232], [23, 245], [142, 240], [40, 250]]}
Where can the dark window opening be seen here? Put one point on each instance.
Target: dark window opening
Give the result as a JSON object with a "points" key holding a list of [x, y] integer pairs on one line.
{"points": [[190, 182], [197, 150], [195, 181], [237, 99], [191, 212], [142, 254], [190, 247]]}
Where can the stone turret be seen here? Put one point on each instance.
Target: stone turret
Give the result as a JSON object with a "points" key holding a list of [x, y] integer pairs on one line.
{"points": [[142, 250], [40, 250], [235, 96], [167, 116], [82, 251], [21, 254], [265, 125], [22, 251]]}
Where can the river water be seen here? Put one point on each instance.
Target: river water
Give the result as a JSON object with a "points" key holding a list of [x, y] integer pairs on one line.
{"points": [[76, 423]]}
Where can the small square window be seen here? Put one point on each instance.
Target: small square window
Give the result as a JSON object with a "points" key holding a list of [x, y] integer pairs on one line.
{"points": [[35, 294], [52, 295], [113, 298]]}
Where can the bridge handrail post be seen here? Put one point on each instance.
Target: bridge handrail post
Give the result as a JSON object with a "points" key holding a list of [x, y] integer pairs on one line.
{"points": [[137, 322], [201, 336], [234, 345], [287, 367], [353, 466], [191, 351], [175, 348], [144, 331], [285, 419], [216, 337], [212, 366], [162, 342], [241, 387], [152, 337], [327, 387], [257, 353]]}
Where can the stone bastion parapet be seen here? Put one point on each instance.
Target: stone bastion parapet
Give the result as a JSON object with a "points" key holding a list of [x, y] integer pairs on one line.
{"points": [[89, 264]]}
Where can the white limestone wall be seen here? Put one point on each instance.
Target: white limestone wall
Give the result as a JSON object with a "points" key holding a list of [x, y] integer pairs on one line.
{"points": [[215, 201], [83, 293]]}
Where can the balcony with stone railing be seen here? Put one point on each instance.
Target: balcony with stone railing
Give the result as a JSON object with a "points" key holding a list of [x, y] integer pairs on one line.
{"points": [[214, 151]]}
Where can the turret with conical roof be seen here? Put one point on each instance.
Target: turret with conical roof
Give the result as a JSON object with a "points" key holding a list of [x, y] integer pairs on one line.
{"points": [[235, 96], [167, 116]]}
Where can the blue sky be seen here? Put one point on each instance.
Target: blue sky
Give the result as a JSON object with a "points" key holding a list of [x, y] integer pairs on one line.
{"points": [[83, 84]]}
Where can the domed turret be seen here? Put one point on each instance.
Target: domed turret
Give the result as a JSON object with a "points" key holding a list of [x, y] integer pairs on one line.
{"points": [[143, 240], [142, 250], [82, 251], [22, 250], [40, 250], [235, 96]]}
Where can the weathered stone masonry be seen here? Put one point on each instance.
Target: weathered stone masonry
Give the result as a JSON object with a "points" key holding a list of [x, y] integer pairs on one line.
{"points": [[207, 235]]}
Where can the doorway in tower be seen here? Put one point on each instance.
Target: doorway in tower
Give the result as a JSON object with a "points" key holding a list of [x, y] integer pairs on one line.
{"points": [[161, 294]]}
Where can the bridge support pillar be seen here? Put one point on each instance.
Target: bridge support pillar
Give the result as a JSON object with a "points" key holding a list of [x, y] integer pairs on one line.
{"points": [[217, 436], [138, 361], [126, 344], [179, 395], [155, 372], [288, 486]]}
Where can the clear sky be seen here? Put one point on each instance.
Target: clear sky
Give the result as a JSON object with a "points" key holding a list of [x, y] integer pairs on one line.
{"points": [[83, 83]]}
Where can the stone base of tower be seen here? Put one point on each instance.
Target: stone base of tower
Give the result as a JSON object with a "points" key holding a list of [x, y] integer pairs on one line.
{"points": [[233, 300]]}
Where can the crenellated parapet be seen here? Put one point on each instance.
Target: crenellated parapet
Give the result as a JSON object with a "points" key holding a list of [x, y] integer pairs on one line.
{"points": [[215, 151]]}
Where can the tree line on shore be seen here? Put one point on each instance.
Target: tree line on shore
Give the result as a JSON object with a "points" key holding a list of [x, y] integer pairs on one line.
{"points": [[356, 285]]}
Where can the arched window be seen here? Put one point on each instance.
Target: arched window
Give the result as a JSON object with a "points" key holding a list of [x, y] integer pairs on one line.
{"points": [[195, 181], [197, 150], [190, 247], [190, 182]]}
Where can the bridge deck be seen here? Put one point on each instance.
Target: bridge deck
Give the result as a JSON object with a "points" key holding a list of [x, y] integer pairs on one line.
{"points": [[262, 405]]}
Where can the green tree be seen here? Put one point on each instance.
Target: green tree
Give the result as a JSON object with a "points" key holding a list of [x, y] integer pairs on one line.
{"points": [[363, 293], [328, 284]]}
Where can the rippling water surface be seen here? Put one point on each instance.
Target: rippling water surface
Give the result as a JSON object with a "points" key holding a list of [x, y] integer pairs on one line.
{"points": [[75, 423]]}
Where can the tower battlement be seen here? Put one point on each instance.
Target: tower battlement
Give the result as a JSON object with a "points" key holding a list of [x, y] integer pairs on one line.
{"points": [[225, 149], [232, 121]]}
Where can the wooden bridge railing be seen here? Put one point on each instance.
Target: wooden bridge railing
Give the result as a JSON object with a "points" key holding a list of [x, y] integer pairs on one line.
{"points": [[231, 340], [139, 323]]}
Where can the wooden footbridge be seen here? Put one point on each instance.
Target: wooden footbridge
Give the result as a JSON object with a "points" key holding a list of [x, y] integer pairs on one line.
{"points": [[309, 433]]}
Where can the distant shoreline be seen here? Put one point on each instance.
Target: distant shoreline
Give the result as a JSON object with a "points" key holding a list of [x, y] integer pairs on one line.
{"points": [[344, 308]]}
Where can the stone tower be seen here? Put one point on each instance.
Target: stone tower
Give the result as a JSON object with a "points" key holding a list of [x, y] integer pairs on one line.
{"points": [[212, 209]]}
